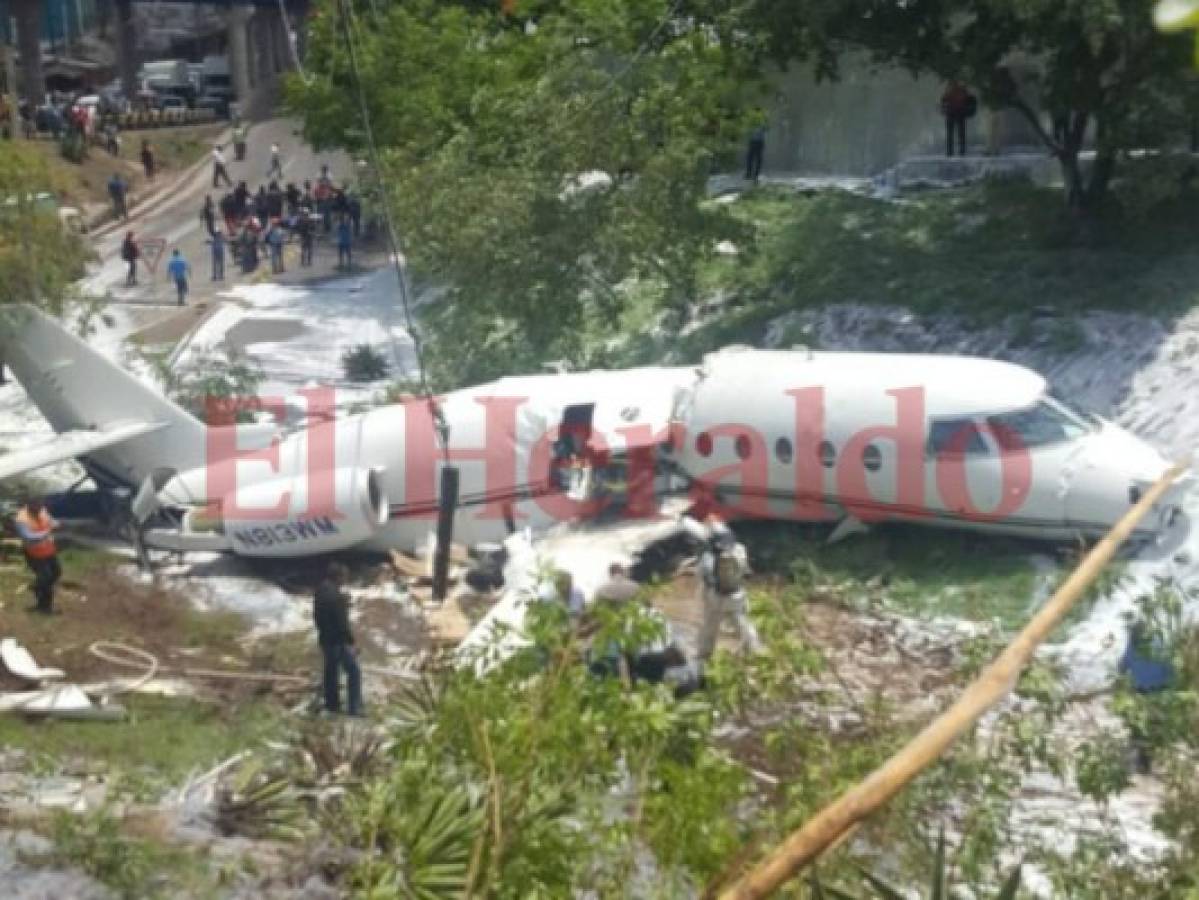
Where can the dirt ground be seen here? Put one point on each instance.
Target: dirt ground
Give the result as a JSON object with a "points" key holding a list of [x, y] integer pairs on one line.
{"points": [[96, 602]]}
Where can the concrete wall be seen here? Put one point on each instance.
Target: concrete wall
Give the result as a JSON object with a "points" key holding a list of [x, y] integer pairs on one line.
{"points": [[869, 120]]}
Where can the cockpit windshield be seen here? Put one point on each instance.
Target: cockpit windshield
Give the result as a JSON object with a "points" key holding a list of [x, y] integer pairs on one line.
{"points": [[1049, 422]]}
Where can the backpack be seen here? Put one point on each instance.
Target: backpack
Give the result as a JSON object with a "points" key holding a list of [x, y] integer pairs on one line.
{"points": [[727, 573]]}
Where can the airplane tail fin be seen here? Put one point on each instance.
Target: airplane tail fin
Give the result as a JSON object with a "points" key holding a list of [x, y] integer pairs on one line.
{"points": [[77, 388]]}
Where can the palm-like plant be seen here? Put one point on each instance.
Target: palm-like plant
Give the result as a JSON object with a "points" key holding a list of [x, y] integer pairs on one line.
{"points": [[937, 891]]}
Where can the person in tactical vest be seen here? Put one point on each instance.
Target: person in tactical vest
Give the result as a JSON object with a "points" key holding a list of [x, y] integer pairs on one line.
{"points": [[723, 565]]}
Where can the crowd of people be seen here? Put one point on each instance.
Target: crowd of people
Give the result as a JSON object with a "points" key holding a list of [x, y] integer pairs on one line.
{"points": [[252, 225]]}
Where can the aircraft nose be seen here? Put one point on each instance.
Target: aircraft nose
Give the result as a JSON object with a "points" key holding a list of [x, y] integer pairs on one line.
{"points": [[1113, 472]]}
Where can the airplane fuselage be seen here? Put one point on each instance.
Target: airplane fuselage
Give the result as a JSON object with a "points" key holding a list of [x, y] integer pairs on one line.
{"points": [[944, 441]]}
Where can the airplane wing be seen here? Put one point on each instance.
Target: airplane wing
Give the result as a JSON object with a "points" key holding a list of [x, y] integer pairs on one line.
{"points": [[70, 444]]}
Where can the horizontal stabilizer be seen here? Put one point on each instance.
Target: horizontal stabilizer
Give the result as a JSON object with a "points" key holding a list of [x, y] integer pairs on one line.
{"points": [[69, 445]]}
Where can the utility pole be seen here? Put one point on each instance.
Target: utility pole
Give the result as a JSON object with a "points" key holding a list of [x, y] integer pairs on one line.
{"points": [[9, 61], [127, 49], [28, 14], [238, 54]]}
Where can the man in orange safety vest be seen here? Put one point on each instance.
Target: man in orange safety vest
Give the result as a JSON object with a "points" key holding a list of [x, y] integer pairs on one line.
{"points": [[36, 530]]}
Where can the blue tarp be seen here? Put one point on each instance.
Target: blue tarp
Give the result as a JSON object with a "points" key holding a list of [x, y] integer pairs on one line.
{"points": [[1145, 666]]}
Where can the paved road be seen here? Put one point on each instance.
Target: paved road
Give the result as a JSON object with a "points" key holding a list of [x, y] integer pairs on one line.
{"points": [[177, 220]]}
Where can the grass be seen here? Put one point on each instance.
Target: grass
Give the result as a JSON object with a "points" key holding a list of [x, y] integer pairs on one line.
{"points": [[162, 740], [174, 148], [916, 572], [132, 858], [87, 182], [999, 248], [922, 573]]}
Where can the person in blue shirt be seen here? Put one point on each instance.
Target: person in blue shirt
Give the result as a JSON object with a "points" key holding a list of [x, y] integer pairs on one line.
{"points": [[117, 190], [178, 269], [345, 239], [274, 240]]}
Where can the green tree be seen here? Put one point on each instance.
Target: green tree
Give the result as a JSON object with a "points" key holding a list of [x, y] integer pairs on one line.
{"points": [[39, 258], [1098, 64], [536, 163]]}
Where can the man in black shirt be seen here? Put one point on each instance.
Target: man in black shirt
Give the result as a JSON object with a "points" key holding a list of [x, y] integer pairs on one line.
{"points": [[331, 612]]}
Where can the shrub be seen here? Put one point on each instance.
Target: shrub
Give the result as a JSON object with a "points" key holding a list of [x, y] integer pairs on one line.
{"points": [[364, 363]]}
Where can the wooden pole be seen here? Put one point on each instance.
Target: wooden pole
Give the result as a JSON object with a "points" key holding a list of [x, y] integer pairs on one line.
{"points": [[991, 685]]}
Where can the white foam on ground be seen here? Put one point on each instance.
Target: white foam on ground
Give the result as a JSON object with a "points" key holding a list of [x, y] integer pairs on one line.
{"points": [[22, 426], [214, 581], [333, 317]]}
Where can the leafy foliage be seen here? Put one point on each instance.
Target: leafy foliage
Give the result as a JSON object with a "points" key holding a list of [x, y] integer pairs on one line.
{"points": [[39, 258], [1097, 63], [97, 844], [938, 890], [541, 775], [286, 792], [211, 385], [535, 164]]}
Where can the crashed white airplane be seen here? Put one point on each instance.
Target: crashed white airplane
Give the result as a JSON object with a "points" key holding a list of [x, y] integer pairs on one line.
{"points": [[848, 437]]}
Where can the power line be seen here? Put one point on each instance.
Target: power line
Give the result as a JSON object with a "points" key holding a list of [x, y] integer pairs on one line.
{"points": [[441, 427], [292, 38]]}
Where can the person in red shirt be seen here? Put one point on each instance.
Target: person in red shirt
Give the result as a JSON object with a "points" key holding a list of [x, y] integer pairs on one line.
{"points": [[957, 105]]}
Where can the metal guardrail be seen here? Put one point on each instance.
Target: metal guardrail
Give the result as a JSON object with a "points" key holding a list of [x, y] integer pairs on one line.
{"points": [[143, 119]]}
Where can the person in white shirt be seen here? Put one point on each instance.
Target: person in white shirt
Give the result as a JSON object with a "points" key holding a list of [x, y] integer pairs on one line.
{"points": [[276, 167], [218, 168]]}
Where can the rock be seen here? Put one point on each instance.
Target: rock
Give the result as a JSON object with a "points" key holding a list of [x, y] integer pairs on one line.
{"points": [[27, 843], [316, 889], [20, 881]]}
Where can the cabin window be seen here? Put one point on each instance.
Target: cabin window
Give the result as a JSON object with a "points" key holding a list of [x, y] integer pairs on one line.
{"points": [[955, 437], [872, 458], [703, 444], [742, 446], [828, 454], [1046, 423], [782, 450]]}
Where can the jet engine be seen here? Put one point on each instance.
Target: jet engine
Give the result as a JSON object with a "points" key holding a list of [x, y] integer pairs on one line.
{"points": [[288, 517]]}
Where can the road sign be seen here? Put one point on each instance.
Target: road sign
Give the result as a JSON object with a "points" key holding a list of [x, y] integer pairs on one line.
{"points": [[152, 250]]}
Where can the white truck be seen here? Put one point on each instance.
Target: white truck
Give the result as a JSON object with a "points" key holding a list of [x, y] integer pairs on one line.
{"points": [[162, 73], [214, 78]]}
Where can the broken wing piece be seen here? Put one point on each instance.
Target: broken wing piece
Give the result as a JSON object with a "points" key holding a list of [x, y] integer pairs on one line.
{"points": [[63, 701], [69, 445], [20, 663]]}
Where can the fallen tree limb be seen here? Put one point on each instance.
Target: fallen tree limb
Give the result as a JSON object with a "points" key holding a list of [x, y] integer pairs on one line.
{"points": [[992, 684]]}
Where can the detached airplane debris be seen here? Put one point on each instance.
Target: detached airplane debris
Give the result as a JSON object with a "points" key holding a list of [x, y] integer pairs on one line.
{"points": [[20, 662], [60, 701], [847, 438]]}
